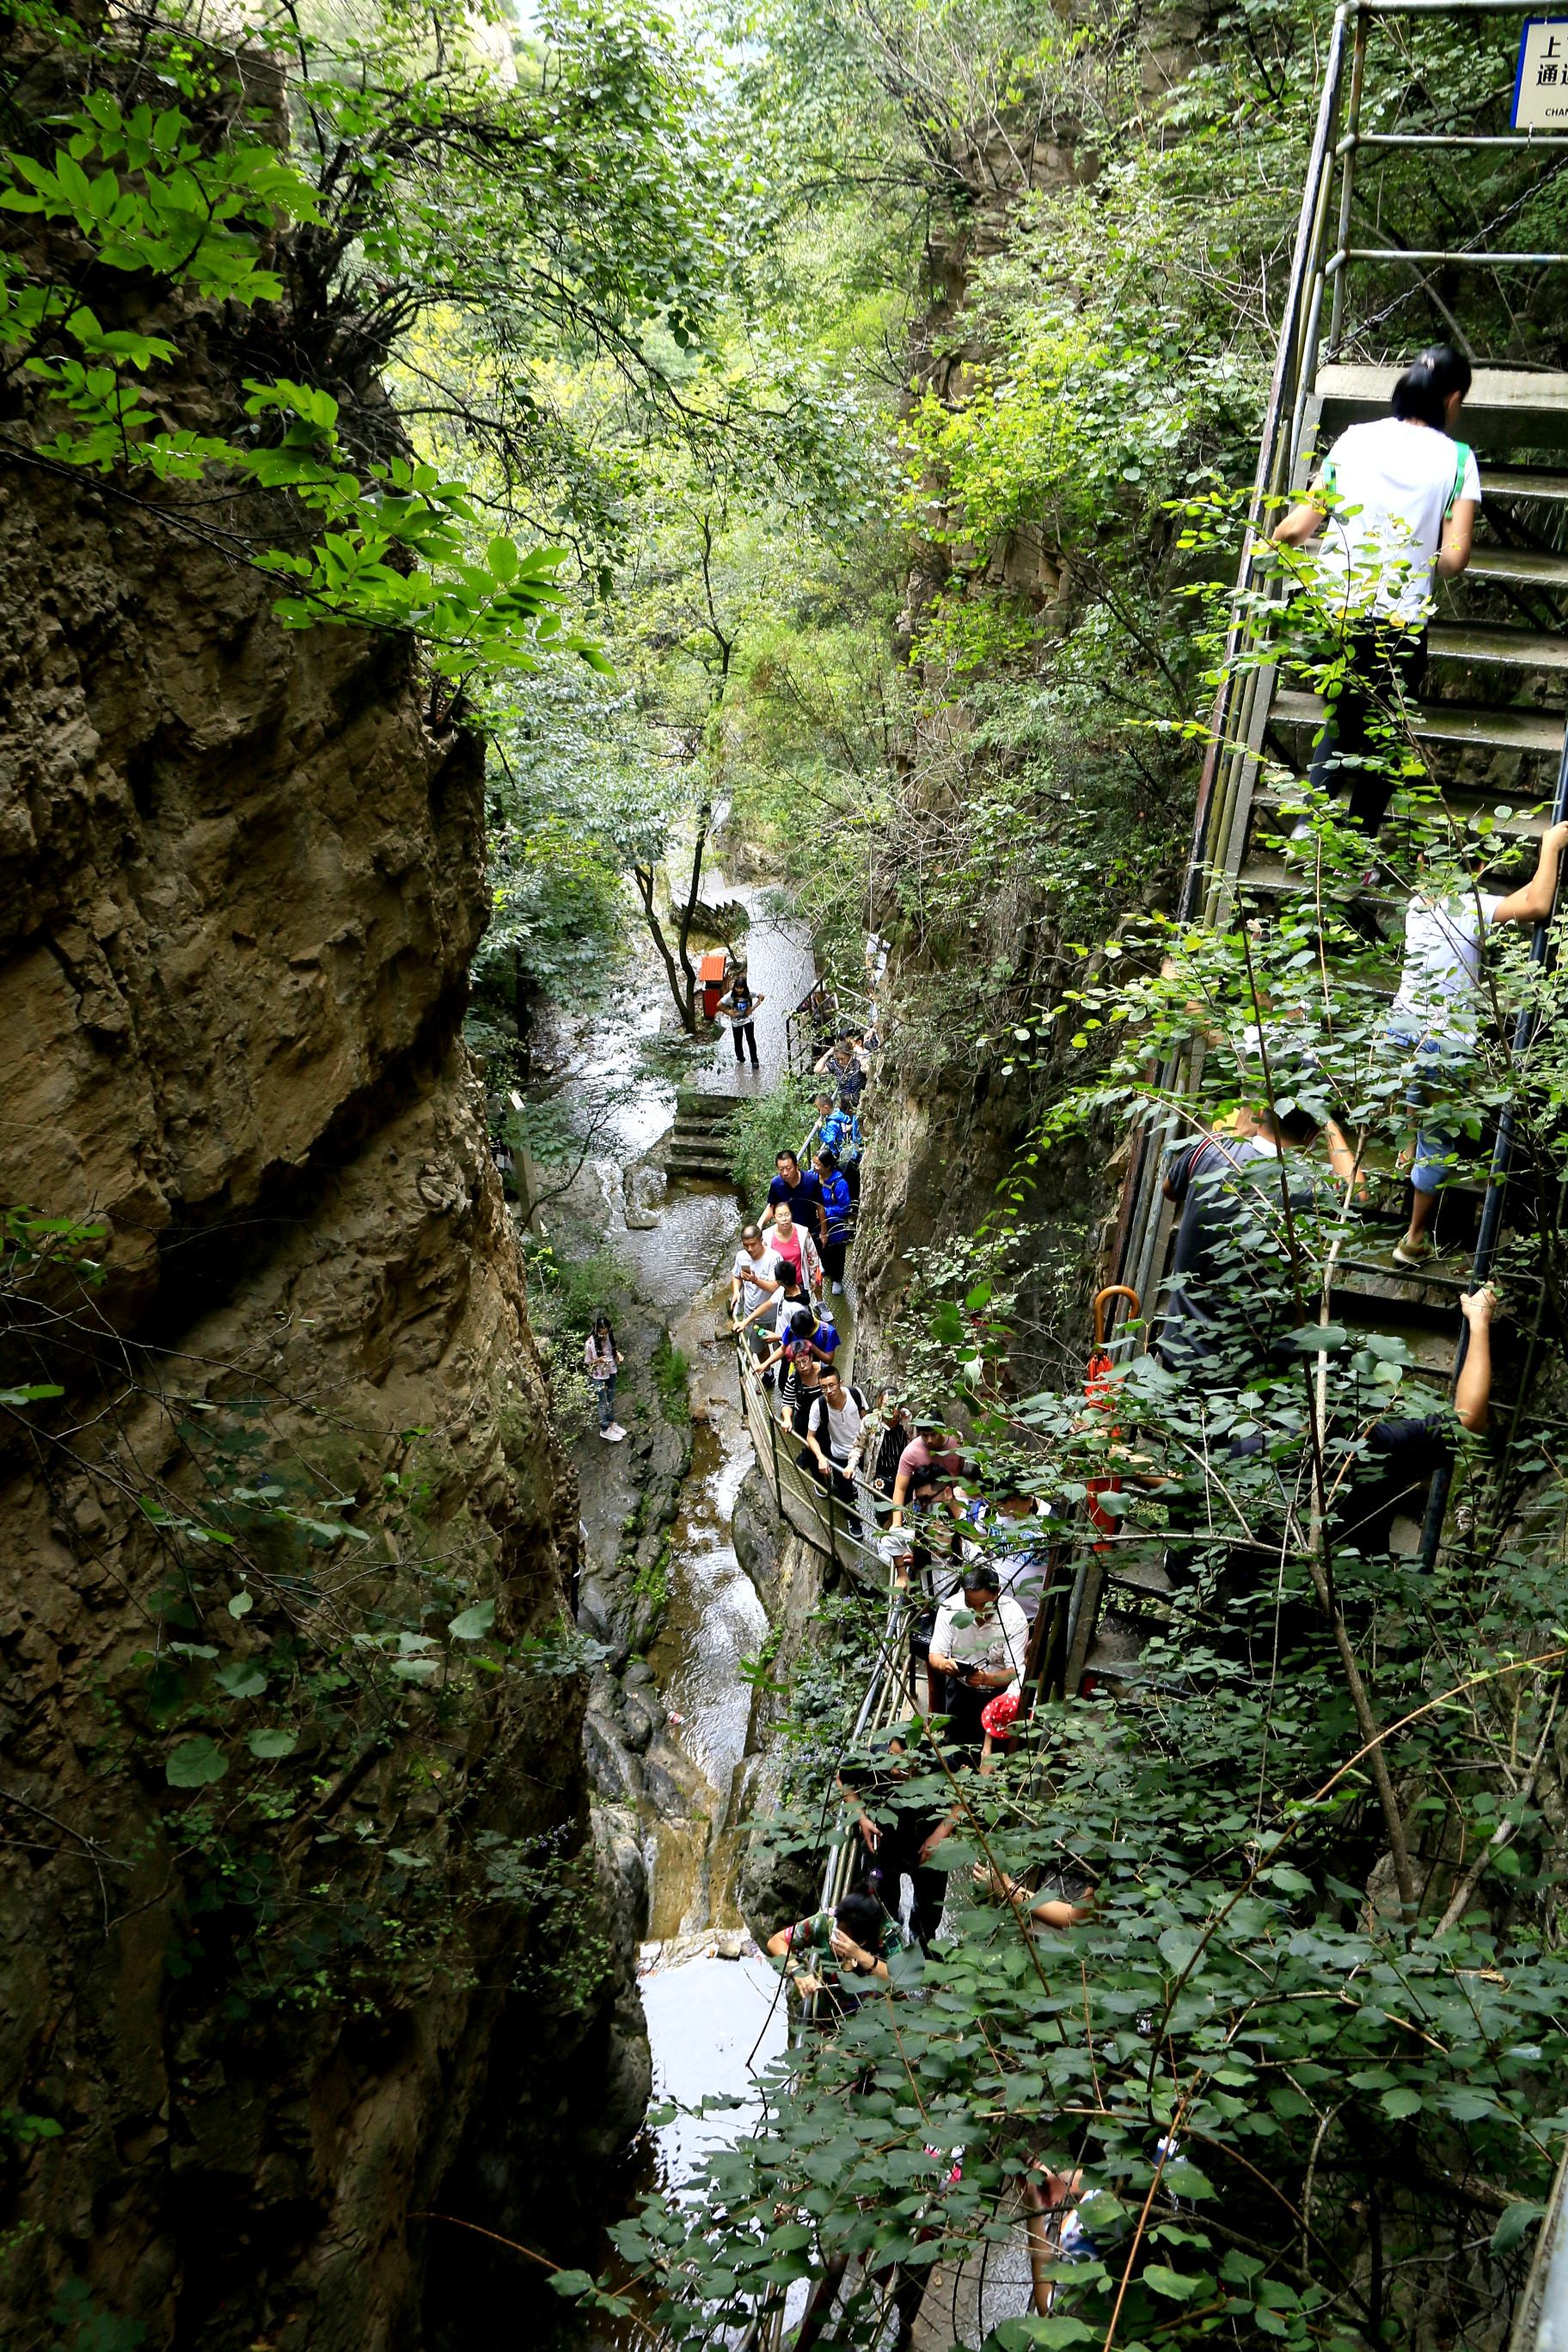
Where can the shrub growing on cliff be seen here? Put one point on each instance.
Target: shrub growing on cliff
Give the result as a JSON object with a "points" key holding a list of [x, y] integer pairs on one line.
{"points": [[762, 1127]]}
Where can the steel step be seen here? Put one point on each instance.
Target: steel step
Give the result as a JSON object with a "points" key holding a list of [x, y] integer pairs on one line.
{"points": [[1525, 567], [1504, 408], [1266, 870], [1457, 804], [692, 1155], [1139, 1576], [1519, 648], [1522, 482], [1445, 1279], [1505, 729]]}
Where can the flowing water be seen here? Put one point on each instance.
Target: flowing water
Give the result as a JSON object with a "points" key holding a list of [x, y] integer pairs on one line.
{"points": [[714, 1620], [711, 2019]]}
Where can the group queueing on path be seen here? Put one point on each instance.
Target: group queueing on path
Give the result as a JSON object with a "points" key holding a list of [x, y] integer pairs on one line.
{"points": [[1394, 504]]}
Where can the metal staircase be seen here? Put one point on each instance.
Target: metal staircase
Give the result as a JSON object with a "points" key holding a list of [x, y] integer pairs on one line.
{"points": [[1489, 726]]}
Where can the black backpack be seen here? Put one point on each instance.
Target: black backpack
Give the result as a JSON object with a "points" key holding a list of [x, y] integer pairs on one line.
{"points": [[855, 1395]]}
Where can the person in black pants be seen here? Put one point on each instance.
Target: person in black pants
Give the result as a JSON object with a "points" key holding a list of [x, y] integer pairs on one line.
{"points": [[741, 1005], [1395, 503], [1358, 742], [893, 1831]]}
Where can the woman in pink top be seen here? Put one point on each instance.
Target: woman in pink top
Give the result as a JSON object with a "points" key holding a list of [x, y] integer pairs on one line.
{"points": [[793, 1242]]}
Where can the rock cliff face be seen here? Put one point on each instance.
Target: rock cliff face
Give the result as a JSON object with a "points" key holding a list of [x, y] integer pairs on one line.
{"points": [[303, 1919]]}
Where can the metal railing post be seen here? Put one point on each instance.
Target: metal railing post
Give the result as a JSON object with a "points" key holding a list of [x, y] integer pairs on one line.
{"points": [[1347, 177], [774, 1443]]}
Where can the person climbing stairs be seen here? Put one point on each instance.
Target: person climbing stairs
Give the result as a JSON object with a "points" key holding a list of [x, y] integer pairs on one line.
{"points": [[1483, 726]]}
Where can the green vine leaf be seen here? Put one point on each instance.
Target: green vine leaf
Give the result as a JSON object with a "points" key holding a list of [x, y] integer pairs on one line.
{"points": [[271, 1740], [473, 1623], [194, 1763]]}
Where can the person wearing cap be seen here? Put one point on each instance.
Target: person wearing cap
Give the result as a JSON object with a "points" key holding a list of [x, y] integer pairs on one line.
{"points": [[979, 1643]]}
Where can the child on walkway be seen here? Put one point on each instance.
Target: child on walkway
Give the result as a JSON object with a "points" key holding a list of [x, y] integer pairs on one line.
{"points": [[602, 1361], [742, 1007], [838, 1218]]}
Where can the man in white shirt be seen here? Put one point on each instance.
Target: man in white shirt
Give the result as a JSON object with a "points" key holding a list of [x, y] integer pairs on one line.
{"points": [[756, 1275], [981, 1656], [832, 1435], [1396, 501], [1436, 1016]]}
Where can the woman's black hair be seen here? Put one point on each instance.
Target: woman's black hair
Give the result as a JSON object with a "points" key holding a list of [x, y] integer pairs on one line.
{"points": [[829, 1157], [802, 1322], [1428, 384], [602, 1323], [861, 1917]]}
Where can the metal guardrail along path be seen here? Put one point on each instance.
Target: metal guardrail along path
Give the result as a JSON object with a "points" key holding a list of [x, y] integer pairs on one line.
{"points": [[1495, 689]]}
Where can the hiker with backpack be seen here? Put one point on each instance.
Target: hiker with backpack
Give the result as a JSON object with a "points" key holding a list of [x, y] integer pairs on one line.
{"points": [[1396, 502], [837, 1219], [837, 1129], [833, 1437], [884, 1434]]}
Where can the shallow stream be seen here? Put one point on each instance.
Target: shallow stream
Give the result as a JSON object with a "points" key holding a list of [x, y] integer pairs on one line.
{"points": [[711, 2018]]}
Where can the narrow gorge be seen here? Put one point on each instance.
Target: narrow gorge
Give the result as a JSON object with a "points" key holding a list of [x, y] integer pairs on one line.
{"points": [[783, 1371]]}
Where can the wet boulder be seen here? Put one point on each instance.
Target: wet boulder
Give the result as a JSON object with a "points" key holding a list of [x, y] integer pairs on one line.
{"points": [[614, 1771], [755, 1530], [643, 1715], [642, 1186]]}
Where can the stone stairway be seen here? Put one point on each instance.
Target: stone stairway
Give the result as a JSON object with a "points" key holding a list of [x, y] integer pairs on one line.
{"points": [[698, 1146]]}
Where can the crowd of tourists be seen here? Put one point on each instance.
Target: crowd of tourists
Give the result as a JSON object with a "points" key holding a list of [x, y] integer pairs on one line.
{"points": [[1393, 505]]}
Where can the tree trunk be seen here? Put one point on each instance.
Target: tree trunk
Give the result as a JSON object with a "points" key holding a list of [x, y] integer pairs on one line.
{"points": [[704, 816], [681, 977], [685, 1002]]}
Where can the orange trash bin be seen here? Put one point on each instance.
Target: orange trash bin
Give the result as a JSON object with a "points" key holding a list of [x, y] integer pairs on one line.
{"points": [[710, 973]]}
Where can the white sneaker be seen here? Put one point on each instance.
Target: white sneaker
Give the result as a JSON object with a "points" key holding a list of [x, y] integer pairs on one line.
{"points": [[607, 1435], [838, 1290], [614, 1432]]}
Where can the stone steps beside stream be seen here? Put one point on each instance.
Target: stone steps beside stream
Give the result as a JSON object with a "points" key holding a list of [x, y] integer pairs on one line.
{"points": [[698, 1146]]}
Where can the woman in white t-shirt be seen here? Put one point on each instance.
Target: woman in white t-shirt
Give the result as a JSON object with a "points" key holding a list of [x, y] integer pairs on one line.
{"points": [[1395, 502], [1435, 1017]]}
